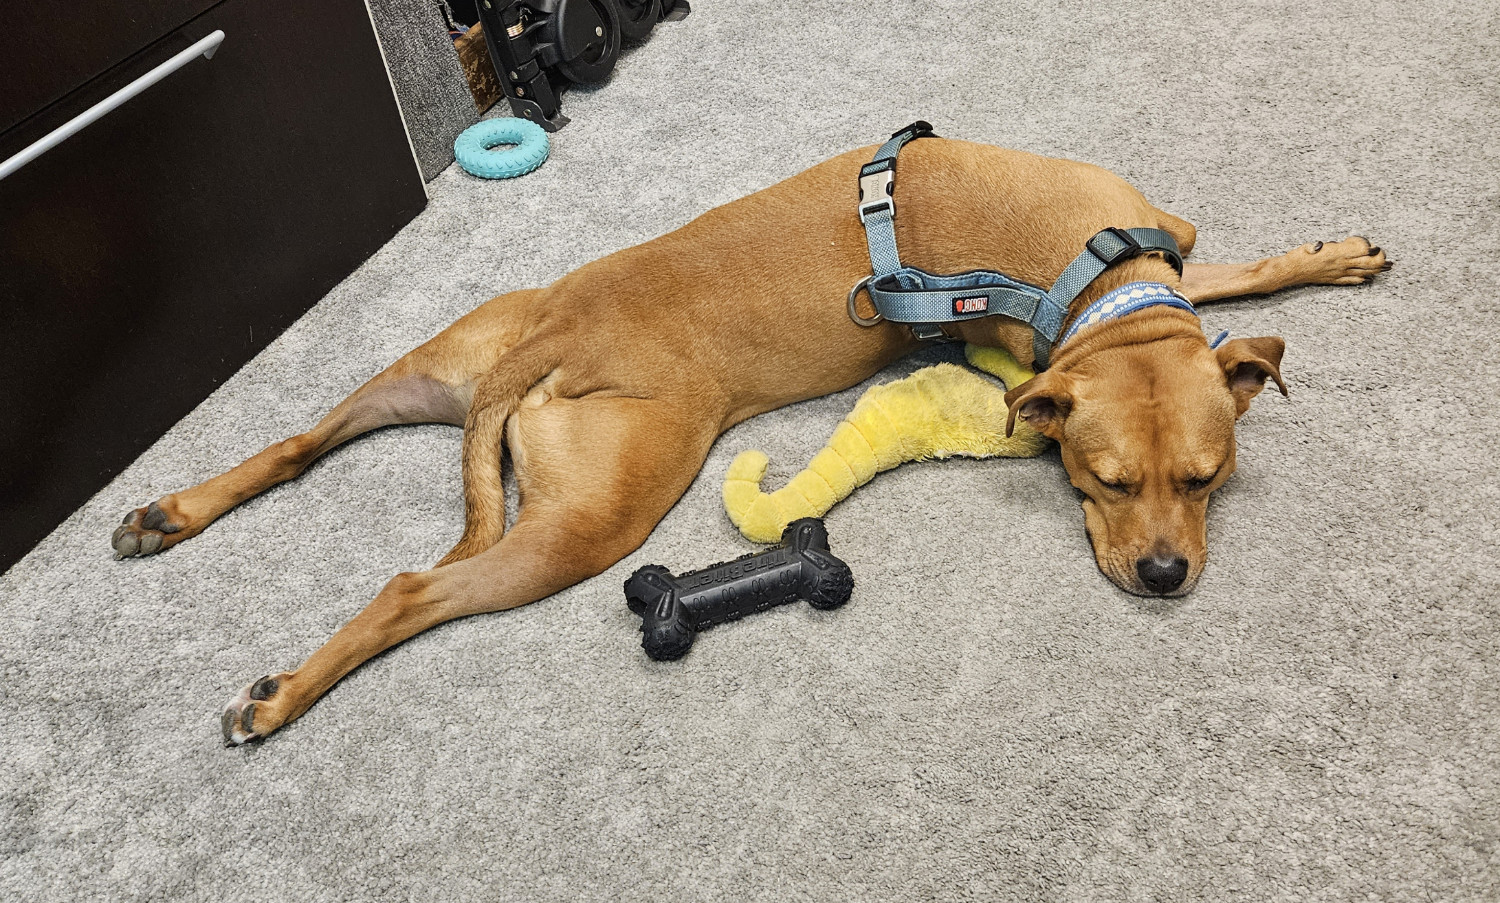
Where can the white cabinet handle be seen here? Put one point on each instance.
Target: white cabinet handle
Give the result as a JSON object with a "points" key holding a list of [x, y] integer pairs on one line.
{"points": [[206, 47]]}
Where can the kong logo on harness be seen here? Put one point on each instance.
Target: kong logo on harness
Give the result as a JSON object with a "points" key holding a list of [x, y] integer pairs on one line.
{"points": [[976, 305]]}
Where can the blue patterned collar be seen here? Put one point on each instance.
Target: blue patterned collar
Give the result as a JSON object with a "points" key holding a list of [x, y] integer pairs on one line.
{"points": [[1127, 299]]}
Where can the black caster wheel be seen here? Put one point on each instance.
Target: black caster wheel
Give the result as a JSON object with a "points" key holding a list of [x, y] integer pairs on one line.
{"points": [[591, 29], [638, 17]]}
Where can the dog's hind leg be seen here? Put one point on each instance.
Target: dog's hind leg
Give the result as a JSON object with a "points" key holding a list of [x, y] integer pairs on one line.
{"points": [[596, 475], [1352, 261], [390, 398], [429, 385]]}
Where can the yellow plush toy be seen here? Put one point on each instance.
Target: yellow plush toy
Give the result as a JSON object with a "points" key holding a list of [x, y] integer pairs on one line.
{"points": [[937, 412]]}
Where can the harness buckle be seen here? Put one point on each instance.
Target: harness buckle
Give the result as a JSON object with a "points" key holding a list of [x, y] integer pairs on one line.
{"points": [[919, 129], [876, 190], [1130, 247]]}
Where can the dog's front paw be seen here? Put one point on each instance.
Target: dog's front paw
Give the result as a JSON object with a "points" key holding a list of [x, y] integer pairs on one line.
{"points": [[148, 530], [1352, 261], [255, 711]]}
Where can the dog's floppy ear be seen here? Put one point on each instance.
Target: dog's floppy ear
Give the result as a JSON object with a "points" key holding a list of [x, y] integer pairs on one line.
{"points": [[1043, 402], [1247, 363]]}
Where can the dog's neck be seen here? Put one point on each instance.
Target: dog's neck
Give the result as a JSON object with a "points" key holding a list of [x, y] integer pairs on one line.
{"points": [[1016, 337], [1152, 324]]}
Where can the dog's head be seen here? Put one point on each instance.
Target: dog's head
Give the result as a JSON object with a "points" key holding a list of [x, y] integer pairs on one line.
{"points": [[1146, 432]]}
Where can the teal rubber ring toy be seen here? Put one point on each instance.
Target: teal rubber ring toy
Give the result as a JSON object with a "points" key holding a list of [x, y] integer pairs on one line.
{"points": [[472, 149]]}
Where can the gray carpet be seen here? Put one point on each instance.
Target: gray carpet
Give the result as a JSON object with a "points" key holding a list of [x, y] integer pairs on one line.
{"points": [[988, 719]]}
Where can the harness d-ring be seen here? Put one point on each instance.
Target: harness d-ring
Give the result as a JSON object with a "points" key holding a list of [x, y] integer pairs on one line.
{"points": [[854, 311]]}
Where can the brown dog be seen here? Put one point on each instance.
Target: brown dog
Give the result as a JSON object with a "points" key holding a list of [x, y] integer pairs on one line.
{"points": [[635, 363]]}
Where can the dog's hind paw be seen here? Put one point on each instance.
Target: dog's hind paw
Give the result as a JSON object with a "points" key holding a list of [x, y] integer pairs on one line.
{"points": [[146, 531], [1353, 261], [250, 714]]}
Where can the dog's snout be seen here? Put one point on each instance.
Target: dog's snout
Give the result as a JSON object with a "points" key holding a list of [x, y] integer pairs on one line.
{"points": [[1162, 573]]}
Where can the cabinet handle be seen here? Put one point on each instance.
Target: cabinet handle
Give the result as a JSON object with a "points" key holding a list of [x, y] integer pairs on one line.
{"points": [[57, 136]]}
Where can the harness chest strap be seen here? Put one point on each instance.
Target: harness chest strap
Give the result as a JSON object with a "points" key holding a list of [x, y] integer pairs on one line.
{"points": [[925, 301]]}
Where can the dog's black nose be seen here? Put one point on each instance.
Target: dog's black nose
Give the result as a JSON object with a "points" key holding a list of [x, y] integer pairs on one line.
{"points": [[1161, 573]]}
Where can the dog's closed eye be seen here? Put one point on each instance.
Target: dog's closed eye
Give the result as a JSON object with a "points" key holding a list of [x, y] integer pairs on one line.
{"points": [[1201, 477]]}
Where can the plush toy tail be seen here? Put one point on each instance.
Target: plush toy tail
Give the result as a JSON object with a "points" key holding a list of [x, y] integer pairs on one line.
{"points": [[937, 412]]}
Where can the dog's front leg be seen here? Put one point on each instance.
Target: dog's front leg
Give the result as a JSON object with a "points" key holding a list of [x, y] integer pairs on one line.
{"points": [[1352, 261]]}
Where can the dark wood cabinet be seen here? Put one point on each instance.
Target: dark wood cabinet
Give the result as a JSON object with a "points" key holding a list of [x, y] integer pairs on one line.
{"points": [[49, 48], [148, 257]]}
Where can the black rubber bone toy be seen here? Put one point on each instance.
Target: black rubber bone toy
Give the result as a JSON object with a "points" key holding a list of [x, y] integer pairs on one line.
{"points": [[674, 609]]}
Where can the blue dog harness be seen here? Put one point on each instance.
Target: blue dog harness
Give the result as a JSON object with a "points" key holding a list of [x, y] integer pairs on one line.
{"points": [[925, 301]]}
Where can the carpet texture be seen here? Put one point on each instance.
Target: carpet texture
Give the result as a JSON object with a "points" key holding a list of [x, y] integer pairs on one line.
{"points": [[989, 718], [435, 101]]}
